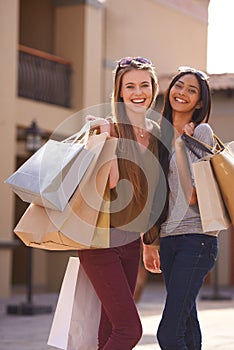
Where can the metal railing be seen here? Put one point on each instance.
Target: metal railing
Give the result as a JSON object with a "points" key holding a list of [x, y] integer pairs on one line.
{"points": [[44, 77]]}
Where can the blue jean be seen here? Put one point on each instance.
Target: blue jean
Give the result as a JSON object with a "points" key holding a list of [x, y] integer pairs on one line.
{"points": [[185, 262], [113, 273]]}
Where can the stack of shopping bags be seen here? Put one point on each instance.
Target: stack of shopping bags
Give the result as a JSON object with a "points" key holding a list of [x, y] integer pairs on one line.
{"points": [[66, 184]]}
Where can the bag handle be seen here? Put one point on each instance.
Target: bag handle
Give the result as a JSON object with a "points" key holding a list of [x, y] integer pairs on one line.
{"points": [[82, 134], [220, 146], [191, 142]]}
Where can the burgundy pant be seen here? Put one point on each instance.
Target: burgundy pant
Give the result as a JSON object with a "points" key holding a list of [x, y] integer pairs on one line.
{"points": [[113, 273]]}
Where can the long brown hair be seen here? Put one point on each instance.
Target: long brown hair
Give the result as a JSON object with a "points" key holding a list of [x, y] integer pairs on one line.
{"points": [[125, 129], [200, 115]]}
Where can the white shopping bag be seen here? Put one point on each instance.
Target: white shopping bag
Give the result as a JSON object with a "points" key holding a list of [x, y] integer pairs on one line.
{"points": [[77, 315], [50, 176]]}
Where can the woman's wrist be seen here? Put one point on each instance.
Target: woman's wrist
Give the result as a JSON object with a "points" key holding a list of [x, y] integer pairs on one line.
{"points": [[151, 237], [155, 246], [179, 142]]}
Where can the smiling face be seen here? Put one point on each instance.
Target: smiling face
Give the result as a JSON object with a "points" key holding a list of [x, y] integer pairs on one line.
{"points": [[184, 95], [136, 90]]}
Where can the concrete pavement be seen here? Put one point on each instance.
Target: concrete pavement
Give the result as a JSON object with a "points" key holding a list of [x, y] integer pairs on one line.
{"points": [[31, 332]]}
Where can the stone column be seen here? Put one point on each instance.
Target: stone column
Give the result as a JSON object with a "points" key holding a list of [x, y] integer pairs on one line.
{"points": [[8, 91], [79, 38]]}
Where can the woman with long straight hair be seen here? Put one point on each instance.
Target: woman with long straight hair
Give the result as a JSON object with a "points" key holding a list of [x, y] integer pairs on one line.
{"points": [[187, 254], [113, 271]]}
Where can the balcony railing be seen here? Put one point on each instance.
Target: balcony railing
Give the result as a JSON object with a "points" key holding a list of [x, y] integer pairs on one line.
{"points": [[44, 77]]}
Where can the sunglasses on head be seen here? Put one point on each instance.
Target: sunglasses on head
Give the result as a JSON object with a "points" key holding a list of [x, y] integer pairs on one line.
{"points": [[127, 61], [201, 74]]}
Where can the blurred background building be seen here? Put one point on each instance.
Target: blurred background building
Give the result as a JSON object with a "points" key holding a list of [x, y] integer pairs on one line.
{"points": [[56, 61]]}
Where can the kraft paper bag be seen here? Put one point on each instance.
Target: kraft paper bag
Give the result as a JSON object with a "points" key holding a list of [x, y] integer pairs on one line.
{"points": [[36, 230], [50, 176], [223, 168], [84, 223], [77, 315], [214, 216]]}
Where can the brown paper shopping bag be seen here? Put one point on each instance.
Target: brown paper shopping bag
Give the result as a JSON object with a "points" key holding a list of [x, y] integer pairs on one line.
{"points": [[223, 168], [77, 315], [79, 223], [214, 216]]}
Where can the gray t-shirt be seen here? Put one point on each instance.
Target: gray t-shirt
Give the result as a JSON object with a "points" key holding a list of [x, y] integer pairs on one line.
{"points": [[183, 218]]}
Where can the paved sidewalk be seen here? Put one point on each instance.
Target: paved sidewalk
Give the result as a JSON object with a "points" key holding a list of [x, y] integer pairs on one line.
{"points": [[31, 332]]}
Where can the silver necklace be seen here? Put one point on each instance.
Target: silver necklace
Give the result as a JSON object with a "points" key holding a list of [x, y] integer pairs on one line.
{"points": [[141, 132]]}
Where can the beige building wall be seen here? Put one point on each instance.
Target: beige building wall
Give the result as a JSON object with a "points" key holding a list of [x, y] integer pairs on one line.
{"points": [[8, 87], [171, 33], [79, 38]]}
